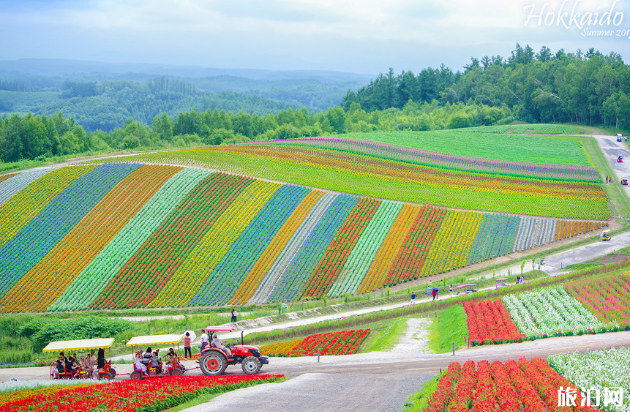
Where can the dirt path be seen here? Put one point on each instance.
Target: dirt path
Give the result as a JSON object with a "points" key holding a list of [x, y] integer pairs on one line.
{"points": [[416, 338]]}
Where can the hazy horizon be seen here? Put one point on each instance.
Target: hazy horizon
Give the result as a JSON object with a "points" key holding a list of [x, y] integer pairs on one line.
{"points": [[346, 36]]}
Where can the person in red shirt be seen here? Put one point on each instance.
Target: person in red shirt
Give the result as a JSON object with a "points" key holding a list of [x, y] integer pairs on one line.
{"points": [[187, 350]]}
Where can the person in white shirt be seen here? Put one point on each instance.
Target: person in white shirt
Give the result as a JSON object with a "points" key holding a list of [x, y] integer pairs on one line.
{"points": [[139, 364], [204, 339]]}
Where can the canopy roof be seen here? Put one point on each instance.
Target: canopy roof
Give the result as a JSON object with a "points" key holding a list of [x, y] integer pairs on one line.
{"points": [[155, 339], [79, 344], [219, 329]]}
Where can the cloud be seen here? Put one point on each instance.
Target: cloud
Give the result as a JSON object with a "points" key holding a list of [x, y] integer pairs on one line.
{"points": [[358, 35]]}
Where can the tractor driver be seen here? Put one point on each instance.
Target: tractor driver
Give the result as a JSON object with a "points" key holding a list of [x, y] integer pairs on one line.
{"points": [[219, 345]]}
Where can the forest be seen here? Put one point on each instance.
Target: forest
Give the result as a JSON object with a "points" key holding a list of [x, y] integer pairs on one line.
{"points": [[546, 87]]}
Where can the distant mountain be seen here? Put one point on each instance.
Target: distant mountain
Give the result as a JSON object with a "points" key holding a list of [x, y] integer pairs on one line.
{"points": [[81, 68], [317, 90]]}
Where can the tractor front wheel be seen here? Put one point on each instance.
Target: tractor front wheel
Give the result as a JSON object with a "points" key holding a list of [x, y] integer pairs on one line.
{"points": [[251, 365], [213, 363]]}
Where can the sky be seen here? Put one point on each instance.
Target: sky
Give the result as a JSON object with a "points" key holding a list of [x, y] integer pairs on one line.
{"points": [[360, 36]]}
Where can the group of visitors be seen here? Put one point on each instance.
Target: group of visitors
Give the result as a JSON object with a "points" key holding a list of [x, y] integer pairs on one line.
{"points": [[74, 366], [151, 360], [520, 279], [432, 291]]}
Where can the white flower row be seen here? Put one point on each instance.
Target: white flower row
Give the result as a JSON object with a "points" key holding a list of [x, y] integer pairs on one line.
{"points": [[598, 369], [547, 311]]}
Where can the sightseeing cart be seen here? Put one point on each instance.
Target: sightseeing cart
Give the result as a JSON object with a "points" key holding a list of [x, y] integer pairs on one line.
{"points": [[214, 360], [106, 372], [467, 288], [501, 282], [176, 368]]}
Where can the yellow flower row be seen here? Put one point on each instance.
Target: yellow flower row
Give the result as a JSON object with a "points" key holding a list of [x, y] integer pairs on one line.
{"points": [[200, 263], [27, 393], [280, 347], [452, 243]]}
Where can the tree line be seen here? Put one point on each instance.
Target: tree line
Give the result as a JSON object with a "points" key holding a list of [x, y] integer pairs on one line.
{"points": [[588, 88], [42, 137]]}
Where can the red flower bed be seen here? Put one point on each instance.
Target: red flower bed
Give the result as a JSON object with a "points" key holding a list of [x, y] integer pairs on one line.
{"points": [[135, 396], [333, 343], [490, 322], [511, 386], [608, 298]]}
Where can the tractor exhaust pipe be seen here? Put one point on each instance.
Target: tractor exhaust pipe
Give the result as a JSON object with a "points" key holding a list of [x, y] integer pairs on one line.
{"points": [[242, 344]]}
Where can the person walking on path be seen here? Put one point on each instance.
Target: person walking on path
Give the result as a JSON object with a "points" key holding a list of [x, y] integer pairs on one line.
{"points": [[233, 320], [413, 298], [187, 349], [450, 289], [429, 290], [204, 339]]}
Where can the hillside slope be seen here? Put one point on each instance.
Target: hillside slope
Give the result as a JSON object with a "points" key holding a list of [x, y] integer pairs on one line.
{"points": [[132, 235]]}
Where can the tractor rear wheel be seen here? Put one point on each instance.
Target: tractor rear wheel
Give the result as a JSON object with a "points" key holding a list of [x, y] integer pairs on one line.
{"points": [[251, 365], [213, 363], [106, 376]]}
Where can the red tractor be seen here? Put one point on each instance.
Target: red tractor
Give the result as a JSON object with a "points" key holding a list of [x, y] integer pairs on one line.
{"points": [[215, 359]]}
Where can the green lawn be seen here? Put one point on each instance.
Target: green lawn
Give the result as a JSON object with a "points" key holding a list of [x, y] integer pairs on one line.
{"points": [[566, 150], [449, 327]]}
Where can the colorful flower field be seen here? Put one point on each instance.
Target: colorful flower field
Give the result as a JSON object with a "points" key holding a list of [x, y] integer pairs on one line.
{"points": [[526, 385], [332, 343], [490, 322], [131, 235], [133, 395], [607, 297], [387, 171]]}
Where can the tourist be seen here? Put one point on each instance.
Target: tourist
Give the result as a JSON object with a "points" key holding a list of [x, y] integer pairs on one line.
{"points": [[187, 349], [413, 298], [204, 339], [233, 320]]}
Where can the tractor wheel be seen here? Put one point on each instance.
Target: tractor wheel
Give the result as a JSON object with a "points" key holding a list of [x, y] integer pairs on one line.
{"points": [[175, 372], [113, 372], [213, 363], [251, 365], [106, 376], [135, 376]]}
